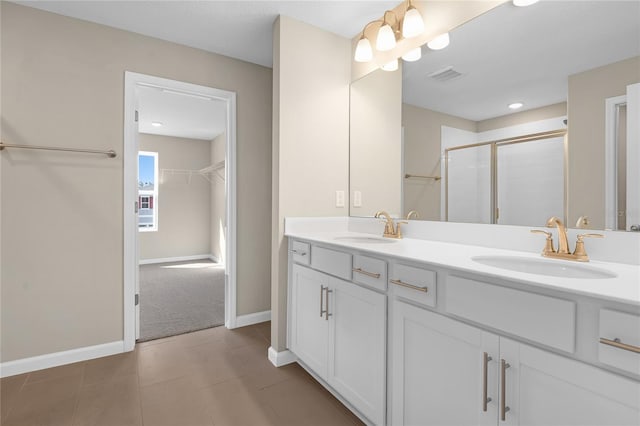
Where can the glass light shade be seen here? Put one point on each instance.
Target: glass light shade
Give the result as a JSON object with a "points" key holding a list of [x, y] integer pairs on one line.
{"points": [[390, 66], [386, 39], [439, 42], [363, 51], [412, 55], [412, 24], [523, 3]]}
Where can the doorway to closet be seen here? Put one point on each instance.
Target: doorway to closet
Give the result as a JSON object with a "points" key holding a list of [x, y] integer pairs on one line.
{"points": [[179, 177]]}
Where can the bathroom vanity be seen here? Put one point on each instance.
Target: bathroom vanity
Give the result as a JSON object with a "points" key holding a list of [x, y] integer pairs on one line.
{"points": [[420, 332]]}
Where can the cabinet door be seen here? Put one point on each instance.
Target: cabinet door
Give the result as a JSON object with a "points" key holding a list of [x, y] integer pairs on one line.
{"points": [[548, 389], [357, 347], [309, 330], [438, 370]]}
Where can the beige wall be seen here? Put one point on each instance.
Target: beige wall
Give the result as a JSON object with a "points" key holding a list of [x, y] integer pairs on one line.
{"points": [[422, 139], [586, 114], [218, 201], [311, 72], [62, 243], [529, 116], [375, 143], [184, 205]]}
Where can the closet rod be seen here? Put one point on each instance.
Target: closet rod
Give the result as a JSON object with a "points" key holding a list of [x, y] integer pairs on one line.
{"points": [[110, 153]]}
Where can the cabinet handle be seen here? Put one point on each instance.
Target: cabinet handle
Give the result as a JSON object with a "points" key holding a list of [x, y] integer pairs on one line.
{"points": [[326, 303], [485, 366], [411, 286], [503, 384], [369, 274], [322, 289], [616, 343], [301, 253]]}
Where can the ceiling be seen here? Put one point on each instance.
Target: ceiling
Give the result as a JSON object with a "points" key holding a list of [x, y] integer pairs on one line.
{"points": [[239, 29], [508, 54], [522, 54], [181, 115]]}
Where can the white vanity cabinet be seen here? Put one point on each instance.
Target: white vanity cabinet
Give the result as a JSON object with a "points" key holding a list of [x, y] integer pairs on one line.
{"points": [[338, 330], [443, 370]]}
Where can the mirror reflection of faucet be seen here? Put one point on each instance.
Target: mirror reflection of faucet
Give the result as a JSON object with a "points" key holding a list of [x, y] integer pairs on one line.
{"points": [[579, 254], [414, 214]]}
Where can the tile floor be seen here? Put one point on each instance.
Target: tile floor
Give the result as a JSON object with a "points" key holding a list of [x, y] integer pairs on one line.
{"points": [[210, 377]]}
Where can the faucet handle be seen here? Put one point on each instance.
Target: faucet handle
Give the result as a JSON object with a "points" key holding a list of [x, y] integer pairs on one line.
{"points": [[398, 231], [580, 253], [548, 246]]}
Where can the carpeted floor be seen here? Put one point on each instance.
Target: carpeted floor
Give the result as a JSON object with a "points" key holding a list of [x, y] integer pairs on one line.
{"points": [[179, 297]]}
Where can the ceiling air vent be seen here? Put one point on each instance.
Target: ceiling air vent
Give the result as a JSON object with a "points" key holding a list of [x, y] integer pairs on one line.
{"points": [[445, 74]]}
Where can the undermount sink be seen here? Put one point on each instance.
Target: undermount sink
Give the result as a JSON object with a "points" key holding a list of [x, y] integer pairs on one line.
{"points": [[554, 268], [361, 239]]}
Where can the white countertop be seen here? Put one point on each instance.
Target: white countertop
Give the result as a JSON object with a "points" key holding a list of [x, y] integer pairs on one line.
{"points": [[624, 288]]}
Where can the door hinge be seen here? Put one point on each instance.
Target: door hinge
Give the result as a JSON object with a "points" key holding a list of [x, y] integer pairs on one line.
{"points": [[137, 300], [135, 207], [136, 116]]}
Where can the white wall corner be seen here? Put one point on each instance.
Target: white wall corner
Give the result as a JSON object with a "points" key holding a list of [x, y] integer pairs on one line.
{"points": [[281, 358], [40, 362], [250, 319]]}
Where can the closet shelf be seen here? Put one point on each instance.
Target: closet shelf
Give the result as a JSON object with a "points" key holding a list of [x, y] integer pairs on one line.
{"points": [[206, 172]]}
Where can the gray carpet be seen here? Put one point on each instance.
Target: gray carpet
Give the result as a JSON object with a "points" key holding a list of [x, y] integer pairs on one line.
{"points": [[180, 297]]}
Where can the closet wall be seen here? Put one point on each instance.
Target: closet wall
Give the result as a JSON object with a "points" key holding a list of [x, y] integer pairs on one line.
{"points": [[184, 204], [218, 200]]}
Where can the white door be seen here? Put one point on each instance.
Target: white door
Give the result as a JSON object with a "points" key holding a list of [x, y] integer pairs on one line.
{"points": [[309, 325], [357, 347], [438, 370], [547, 389]]}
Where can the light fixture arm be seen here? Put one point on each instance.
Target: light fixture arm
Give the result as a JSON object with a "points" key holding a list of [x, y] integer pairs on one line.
{"points": [[364, 30]]}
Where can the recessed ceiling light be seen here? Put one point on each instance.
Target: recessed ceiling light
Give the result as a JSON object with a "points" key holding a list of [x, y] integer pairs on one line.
{"points": [[523, 3], [516, 105], [156, 124]]}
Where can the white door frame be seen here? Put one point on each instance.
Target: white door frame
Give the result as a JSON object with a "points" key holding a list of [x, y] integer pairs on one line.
{"points": [[130, 260]]}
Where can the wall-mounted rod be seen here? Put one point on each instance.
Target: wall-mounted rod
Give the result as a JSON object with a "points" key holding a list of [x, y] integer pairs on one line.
{"points": [[109, 153], [408, 176]]}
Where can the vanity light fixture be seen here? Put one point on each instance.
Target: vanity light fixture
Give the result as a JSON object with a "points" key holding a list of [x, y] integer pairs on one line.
{"points": [[408, 24], [516, 105], [390, 66], [156, 124], [440, 42], [523, 3], [412, 55]]}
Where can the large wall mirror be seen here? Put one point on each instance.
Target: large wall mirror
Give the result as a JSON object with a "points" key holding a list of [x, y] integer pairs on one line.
{"points": [[451, 148]]}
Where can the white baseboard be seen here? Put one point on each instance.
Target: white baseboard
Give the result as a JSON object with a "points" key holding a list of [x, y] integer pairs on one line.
{"points": [[280, 358], [250, 319], [214, 258], [178, 259], [26, 365]]}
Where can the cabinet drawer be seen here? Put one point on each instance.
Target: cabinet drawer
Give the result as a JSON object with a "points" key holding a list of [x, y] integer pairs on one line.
{"points": [[331, 261], [620, 340], [416, 284], [543, 319], [301, 252], [370, 271]]}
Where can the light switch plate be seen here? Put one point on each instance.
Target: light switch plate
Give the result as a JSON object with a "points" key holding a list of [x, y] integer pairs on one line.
{"points": [[357, 199], [339, 198]]}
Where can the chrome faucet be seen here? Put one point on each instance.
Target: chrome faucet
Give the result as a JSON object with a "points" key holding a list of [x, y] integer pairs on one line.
{"points": [[391, 230]]}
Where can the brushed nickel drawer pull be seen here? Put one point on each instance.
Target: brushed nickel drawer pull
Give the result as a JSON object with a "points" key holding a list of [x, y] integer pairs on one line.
{"points": [[326, 303], [485, 366], [363, 272], [407, 285], [503, 384], [322, 289], [616, 343], [300, 253]]}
